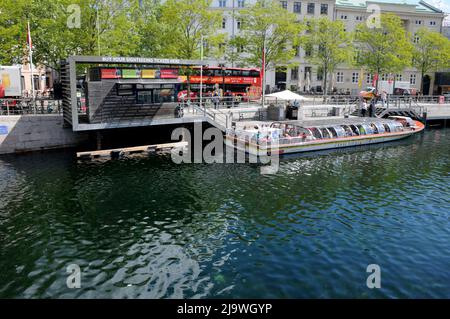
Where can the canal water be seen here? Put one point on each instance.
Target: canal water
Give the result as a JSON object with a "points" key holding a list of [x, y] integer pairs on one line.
{"points": [[149, 228]]}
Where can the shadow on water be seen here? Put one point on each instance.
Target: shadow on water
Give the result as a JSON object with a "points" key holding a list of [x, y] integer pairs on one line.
{"points": [[148, 228]]}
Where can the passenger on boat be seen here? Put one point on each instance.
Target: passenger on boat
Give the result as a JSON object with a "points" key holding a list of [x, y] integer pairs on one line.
{"points": [[348, 131], [302, 135]]}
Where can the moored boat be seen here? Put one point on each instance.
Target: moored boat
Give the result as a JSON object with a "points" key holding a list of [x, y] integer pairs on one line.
{"points": [[295, 136]]}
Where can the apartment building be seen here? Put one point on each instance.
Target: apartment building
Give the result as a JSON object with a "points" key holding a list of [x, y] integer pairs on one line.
{"points": [[305, 76]]}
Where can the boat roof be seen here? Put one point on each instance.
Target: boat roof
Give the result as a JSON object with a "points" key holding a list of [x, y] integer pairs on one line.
{"points": [[333, 122], [399, 117]]}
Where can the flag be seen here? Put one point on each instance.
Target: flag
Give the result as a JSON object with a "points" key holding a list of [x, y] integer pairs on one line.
{"points": [[29, 42], [375, 79]]}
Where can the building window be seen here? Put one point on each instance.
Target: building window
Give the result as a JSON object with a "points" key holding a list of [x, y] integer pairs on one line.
{"points": [[343, 17], [412, 79], [224, 23], [319, 75], [399, 77], [283, 4], [432, 22], [307, 72], [359, 18], [238, 24], [297, 51], [311, 8], [222, 3], [369, 78], [418, 21], [294, 73], [416, 38], [37, 82], [324, 8], [340, 77], [355, 77], [241, 3], [308, 51], [297, 7]]}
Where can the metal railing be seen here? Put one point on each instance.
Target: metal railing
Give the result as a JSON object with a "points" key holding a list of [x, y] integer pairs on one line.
{"points": [[25, 106]]}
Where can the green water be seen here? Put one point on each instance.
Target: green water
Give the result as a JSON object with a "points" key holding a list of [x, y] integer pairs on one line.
{"points": [[149, 228]]}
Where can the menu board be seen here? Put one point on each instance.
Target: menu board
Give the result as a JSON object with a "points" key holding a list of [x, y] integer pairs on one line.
{"points": [[131, 73]]}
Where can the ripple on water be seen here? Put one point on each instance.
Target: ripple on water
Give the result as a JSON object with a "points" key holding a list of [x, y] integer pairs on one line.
{"points": [[148, 228]]}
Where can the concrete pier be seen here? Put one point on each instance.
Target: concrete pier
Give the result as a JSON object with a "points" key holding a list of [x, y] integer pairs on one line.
{"points": [[24, 133]]}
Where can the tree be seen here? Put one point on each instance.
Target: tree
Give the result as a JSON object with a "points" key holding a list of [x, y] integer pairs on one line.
{"points": [[267, 25], [386, 48], [431, 52], [329, 44], [106, 27], [190, 21]]}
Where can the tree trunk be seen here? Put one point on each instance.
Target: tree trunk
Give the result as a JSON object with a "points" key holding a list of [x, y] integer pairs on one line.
{"points": [[422, 75]]}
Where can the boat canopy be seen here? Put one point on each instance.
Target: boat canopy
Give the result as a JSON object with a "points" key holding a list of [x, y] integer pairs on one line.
{"points": [[342, 128]]}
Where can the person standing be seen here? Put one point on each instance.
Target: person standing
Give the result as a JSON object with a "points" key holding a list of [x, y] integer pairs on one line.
{"points": [[363, 107], [383, 98], [372, 107]]}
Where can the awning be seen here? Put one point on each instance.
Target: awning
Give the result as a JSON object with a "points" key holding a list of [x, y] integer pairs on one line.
{"points": [[285, 95]]}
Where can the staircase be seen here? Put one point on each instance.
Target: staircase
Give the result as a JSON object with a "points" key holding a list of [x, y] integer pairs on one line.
{"points": [[383, 112]]}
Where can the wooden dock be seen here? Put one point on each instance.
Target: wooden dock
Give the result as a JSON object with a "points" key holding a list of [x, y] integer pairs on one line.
{"points": [[125, 151]]}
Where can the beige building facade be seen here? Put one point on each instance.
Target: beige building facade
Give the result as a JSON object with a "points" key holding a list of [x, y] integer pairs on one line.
{"points": [[304, 76]]}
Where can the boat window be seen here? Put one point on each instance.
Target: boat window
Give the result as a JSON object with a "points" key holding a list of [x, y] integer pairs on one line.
{"points": [[325, 133], [380, 128], [397, 127], [348, 130], [386, 127], [316, 132], [374, 128], [368, 129], [339, 130], [362, 130], [333, 132], [354, 129]]}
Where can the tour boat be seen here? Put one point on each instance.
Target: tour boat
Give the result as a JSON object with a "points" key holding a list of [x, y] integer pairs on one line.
{"points": [[296, 136]]}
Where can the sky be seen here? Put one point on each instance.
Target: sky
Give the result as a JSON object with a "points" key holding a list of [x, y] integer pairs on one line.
{"points": [[444, 5]]}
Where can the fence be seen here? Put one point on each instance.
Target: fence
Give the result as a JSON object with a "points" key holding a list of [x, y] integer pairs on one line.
{"points": [[29, 106]]}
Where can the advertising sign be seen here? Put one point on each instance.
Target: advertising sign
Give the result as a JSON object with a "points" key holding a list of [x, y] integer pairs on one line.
{"points": [[3, 130], [169, 74], [150, 74], [131, 73], [10, 80], [110, 73]]}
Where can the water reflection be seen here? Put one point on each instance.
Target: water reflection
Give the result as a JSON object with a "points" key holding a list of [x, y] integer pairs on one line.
{"points": [[148, 228]]}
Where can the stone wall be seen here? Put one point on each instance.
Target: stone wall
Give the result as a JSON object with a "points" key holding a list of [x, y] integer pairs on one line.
{"points": [[23, 133]]}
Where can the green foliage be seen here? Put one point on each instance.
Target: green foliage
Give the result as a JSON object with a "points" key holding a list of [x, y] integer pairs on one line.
{"points": [[189, 21], [329, 45], [266, 22], [384, 49], [431, 52]]}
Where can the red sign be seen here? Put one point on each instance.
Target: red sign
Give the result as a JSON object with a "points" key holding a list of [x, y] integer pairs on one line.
{"points": [[111, 74], [226, 80], [169, 74]]}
